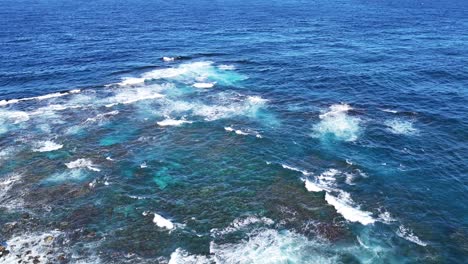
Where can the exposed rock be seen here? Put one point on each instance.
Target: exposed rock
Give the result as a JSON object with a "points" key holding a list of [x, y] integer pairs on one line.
{"points": [[3, 251], [61, 258]]}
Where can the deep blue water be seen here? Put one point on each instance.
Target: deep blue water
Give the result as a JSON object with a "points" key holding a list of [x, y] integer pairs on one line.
{"points": [[272, 132]]}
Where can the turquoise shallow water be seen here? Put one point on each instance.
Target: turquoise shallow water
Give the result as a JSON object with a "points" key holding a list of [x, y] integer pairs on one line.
{"points": [[227, 132]]}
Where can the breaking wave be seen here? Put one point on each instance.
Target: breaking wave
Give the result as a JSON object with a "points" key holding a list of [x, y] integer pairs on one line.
{"points": [[337, 198], [338, 124]]}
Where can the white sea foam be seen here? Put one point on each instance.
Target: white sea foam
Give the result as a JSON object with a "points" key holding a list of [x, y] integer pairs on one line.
{"points": [[74, 175], [345, 206], [386, 217], [191, 70], [270, 246], [173, 122], [226, 67], [101, 117], [162, 222], [389, 111], [41, 97], [50, 108], [13, 117], [339, 199], [180, 256], [6, 183], [139, 198], [237, 131], [304, 172], [407, 234], [224, 107], [240, 224], [311, 186], [256, 100], [264, 244], [129, 81], [27, 246], [338, 123], [167, 59], [200, 71], [45, 146], [350, 178], [401, 127], [323, 182], [204, 85], [361, 243], [240, 132], [82, 163], [129, 96], [7, 102], [336, 109]]}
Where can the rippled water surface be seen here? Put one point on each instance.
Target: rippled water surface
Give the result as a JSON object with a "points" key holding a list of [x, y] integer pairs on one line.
{"points": [[233, 132]]}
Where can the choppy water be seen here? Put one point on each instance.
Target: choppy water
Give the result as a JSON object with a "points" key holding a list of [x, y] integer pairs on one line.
{"points": [[227, 132]]}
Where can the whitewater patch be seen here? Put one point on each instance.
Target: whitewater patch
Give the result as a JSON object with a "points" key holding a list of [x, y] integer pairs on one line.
{"points": [[129, 96], [266, 245], [386, 217], [407, 234], [240, 224], [82, 163], [350, 178], [45, 146], [271, 246], [345, 206], [226, 67], [323, 182], [101, 117], [204, 85], [14, 117], [337, 198], [224, 107], [239, 132], [401, 127], [262, 243], [337, 123], [173, 122], [129, 81], [74, 175], [188, 73], [180, 256], [311, 186], [389, 111], [243, 133], [162, 222], [168, 59], [32, 246], [39, 98]]}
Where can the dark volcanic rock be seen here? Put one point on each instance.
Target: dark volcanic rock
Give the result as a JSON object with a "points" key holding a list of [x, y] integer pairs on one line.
{"points": [[3, 251], [306, 213]]}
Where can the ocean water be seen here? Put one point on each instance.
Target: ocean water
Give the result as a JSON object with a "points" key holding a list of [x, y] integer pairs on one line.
{"points": [[234, 131]]}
